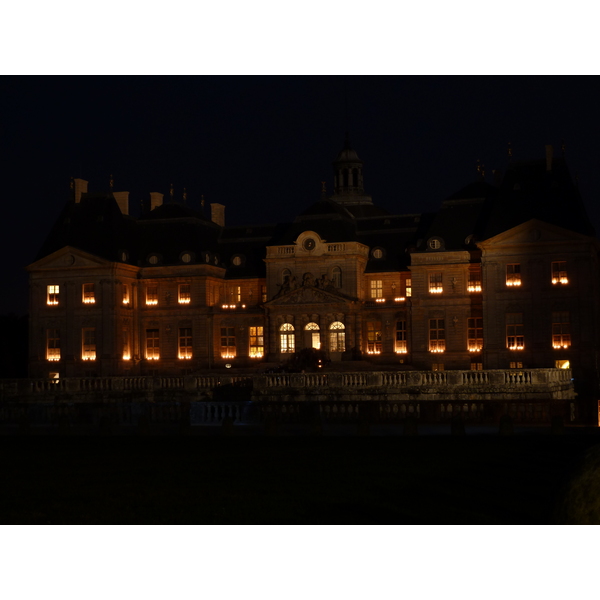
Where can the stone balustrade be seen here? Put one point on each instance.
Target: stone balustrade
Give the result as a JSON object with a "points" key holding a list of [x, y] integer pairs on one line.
{"points": [[498, 384]]}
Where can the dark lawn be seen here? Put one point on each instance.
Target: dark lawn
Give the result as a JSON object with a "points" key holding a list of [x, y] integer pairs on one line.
{"points": [[281, 480]]}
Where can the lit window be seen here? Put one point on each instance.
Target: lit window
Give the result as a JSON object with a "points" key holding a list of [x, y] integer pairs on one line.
{"points": [[561, 330], [401, 346], [88, 343], [287, 338], [185, 343], [474, 334], [336, 277], [559, 272], [437, 335], [516, 365], [515, 339], [474, 284], [562, 364], [126, 345], [408, 292], [376, 288], [228, 342], [513, 275], [315, 335], [257, 342], [235, 294], [437, 367], [374, 337], [185, 294], [88, 293], [151, 295], [152, 344], [263, 291], [53, 294], [52, 344], [435, 283], [125, 294], [337, 337], [476, 366]]}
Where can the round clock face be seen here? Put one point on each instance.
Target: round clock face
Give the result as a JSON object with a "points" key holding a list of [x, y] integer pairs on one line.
{"points": [[309, 244]]}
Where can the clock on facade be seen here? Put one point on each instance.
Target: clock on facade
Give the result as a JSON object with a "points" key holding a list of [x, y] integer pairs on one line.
{"points": [[309, 244]]}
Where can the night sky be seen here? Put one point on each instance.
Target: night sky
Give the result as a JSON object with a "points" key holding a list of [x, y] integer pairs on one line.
{"points": [[261, 145]]}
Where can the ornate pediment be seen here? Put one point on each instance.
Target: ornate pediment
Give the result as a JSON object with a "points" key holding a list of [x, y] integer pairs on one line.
{"points": [[308, 294], [68, 257]]}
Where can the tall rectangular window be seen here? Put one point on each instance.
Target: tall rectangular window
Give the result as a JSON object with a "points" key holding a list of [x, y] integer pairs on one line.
{"points": [[151, 295], [474, 284], [435, 283], [374, 337], [228, 342], [257, 342], [53, 293], [515, 338], [263, 291], [235, 294], [52, 344], [152, 344], [376, 288], [185, 293], [437, 335], [474, 334], [401, 344], [408, 288], [88, 343], [125, 294], [559, 272], [185, 343], [513, 275], [88, 294], [126, 345], [561, 330]]}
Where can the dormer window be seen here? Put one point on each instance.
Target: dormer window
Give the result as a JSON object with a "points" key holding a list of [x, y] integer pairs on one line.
{"points": [[53, 292], [377, 253], [88, 294], [435, 243], [153, 259]]}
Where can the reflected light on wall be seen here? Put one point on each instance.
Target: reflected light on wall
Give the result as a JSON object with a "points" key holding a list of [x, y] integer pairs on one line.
{"points": [[126, 356]]}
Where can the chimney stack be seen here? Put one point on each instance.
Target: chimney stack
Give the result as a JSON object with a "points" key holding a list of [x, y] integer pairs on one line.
{"points": [[156, 199], [80, 187], [217, 214], [122, 199], [549, 151]]}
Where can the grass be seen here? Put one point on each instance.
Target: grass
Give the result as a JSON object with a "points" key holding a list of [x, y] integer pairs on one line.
{"points": [[277, 480]]}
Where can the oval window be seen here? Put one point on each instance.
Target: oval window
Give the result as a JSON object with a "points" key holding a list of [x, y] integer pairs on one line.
{"points": [[186, 257], [237, 261], [378, 253], [153, 260]]}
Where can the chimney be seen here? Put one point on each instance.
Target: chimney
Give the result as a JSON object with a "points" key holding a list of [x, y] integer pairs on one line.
{"points": [[156, 199], [548, 157], [122, 199], [80, 187], [217, 214]]}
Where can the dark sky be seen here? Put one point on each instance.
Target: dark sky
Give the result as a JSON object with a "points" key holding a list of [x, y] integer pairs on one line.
{"points": [[261, 145]]}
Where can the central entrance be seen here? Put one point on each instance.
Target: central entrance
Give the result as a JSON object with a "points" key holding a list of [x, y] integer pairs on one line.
{"points": [[314, 336]]}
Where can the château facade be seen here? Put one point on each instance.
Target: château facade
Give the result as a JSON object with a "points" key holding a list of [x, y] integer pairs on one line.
{"points": [[502, 276]]}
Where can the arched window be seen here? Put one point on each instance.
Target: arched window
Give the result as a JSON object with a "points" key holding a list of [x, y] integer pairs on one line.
{"points": [[287, 338], [336, 277], [337, 337], [315, 335]]}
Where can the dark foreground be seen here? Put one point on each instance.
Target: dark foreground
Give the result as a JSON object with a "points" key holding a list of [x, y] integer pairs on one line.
{"points": [[219, 479]]}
